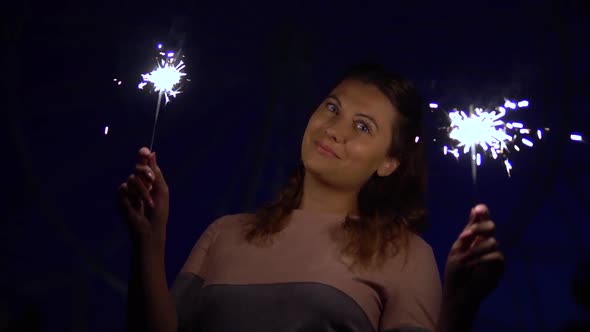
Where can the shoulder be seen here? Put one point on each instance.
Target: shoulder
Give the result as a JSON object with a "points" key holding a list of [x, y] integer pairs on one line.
{"points": [[229, 223], [411, 254]]}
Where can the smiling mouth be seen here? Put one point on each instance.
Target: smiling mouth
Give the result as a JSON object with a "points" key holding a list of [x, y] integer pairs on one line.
{"points": [[325, 151]]}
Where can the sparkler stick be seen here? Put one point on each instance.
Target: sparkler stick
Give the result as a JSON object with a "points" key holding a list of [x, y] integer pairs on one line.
{"points": [[166, 80]]}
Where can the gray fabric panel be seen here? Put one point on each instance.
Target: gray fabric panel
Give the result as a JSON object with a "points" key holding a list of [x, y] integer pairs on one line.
{"points": [[288, 307], [407, 329], [186, 291]]}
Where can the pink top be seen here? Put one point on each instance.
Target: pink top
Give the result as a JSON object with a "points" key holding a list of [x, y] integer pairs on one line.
{"points": [[300, 283]]}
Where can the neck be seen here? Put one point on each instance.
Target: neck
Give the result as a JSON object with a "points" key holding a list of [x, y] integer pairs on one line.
{"points": [[320, 197]]}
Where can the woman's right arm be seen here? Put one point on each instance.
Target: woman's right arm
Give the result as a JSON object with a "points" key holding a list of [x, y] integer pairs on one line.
{"points": [[144, 205]]}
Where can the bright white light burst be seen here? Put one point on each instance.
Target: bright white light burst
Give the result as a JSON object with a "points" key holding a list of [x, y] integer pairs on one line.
{"points": [[166, 77], [487, 133]]}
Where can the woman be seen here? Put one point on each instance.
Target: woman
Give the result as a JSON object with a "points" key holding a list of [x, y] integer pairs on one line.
{"points": [[339, 250]]}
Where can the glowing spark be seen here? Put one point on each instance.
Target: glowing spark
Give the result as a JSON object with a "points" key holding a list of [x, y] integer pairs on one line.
{"points": [[119, 83], [508, 166], [509, 104], [539, 133], [576, 137], [417, 139], [527, 142], [106, 130], [485, 132], [433, 105], [166, 79], [523, 103]]}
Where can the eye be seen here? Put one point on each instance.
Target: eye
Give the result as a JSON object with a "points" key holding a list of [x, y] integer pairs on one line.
{"points": [[363, 126], [331, 107]]}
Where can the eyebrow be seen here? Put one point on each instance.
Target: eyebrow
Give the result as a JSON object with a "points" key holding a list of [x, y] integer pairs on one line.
{"points": [[357, 114]]}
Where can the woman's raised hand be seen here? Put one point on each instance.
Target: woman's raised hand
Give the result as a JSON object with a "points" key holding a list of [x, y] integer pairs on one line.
{"points": [[475, 263], [144, 202]]}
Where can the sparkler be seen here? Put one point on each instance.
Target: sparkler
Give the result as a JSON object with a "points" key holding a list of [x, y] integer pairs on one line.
{"points": [[485, 133], [166, 80]]}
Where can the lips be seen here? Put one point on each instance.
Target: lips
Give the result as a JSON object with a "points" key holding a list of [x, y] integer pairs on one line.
{"points": [[326, 149]]}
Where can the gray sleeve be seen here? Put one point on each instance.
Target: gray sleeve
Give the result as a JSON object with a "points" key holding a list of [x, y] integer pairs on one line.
{"points": [[407, 329], [185, 292]]}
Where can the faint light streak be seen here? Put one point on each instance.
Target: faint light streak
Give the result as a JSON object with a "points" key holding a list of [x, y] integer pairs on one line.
{"points": [[508, 166], [433, 105], [576, 137]]}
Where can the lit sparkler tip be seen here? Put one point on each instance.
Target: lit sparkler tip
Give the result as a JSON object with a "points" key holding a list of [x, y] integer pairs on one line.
{"points": [[576, 137], [433, 105]]}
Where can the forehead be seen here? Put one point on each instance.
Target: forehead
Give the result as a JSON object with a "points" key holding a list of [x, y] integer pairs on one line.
{"points": [[365, 98]]}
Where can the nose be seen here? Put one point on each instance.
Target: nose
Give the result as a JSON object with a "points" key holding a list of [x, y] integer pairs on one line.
{"points": [[337, 131]]}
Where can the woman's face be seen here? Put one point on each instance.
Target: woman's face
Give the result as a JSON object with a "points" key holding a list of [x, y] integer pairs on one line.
{"points": [[355, 122]]}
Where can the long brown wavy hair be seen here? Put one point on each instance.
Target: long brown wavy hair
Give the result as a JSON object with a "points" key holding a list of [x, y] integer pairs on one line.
{"points": [[389, 207]]}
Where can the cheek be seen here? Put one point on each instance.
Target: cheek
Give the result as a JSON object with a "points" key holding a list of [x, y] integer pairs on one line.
{"points": [[364, 155]]}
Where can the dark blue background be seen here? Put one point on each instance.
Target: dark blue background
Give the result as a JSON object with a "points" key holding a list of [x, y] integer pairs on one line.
{"points": [[228, 142]]}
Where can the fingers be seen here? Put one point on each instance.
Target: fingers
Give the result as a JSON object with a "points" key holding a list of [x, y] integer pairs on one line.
{"points": [[143, 155], [481, 249], [478, 213], [160, 185], [145, 173], [138, 189], [483, 229], [126, 208], [493, 257]]}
